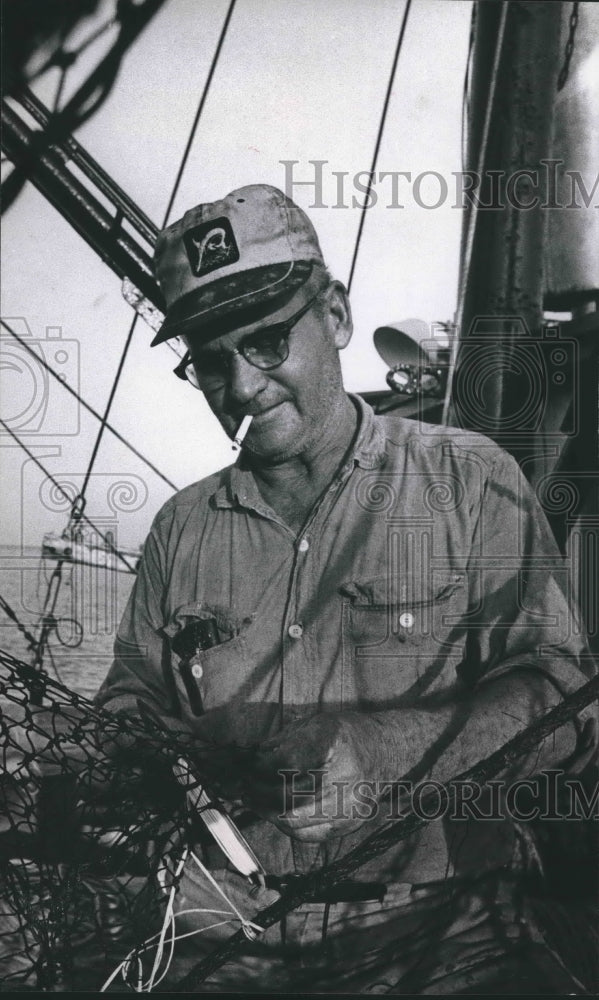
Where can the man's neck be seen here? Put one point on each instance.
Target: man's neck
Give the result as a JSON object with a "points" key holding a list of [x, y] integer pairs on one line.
{"points": [[292, 487]]}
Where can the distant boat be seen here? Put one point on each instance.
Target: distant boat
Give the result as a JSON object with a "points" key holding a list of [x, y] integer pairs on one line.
{"points": [[90, 552]]}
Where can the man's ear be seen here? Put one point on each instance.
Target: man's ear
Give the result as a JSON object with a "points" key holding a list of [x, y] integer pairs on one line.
{"points": [[339, 313]]}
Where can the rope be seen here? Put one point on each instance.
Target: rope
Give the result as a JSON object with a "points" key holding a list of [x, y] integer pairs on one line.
{"points": [[57, 672], [71, 722], [378, 141], [198, 113], [377, 843], [104, 419], [249, 928], [105, 538], [48, 621], [173, 195], [11, 614], [86, 406], [70, 887], [79, 504]]}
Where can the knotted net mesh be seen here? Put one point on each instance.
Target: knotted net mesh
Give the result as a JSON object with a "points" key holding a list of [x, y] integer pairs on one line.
{"points": [[90, 840], [94, 829]]}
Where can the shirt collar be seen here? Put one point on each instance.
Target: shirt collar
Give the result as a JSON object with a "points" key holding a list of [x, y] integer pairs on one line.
{"points": [[369, 452], [370, 445]]}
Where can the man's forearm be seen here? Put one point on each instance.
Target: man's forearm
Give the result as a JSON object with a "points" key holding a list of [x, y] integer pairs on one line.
{"points": [[442, 741]]}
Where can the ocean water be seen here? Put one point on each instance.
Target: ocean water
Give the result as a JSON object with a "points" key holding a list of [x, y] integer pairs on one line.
{"points": [[87, 603]]}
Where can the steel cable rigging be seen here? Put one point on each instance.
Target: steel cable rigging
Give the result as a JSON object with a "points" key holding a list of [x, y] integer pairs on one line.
{"points": [[48, 623], [105, 538], [86, 405], [360, 855], [173, 195], [379, 138], [78, 504]]}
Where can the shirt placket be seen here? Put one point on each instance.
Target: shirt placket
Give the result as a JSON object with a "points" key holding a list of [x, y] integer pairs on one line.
{"points": [[301, 678]]}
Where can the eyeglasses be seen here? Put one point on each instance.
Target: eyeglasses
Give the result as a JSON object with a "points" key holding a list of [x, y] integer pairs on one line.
{"points": [[265, 349]]}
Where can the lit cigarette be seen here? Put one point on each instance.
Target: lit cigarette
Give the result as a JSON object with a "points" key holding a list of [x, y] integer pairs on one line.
{"points": [[241, 433]]}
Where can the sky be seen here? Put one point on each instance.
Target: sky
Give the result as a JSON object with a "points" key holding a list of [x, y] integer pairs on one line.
{"points": [[297, 80]]}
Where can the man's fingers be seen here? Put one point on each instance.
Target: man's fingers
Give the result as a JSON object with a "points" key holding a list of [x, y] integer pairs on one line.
{"points": [[307, 832], [303, 825]]}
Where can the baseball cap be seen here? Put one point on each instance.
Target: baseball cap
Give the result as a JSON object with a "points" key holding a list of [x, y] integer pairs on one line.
{"points": [[253, 247]]}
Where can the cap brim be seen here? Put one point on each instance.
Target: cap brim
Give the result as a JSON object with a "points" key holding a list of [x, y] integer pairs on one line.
{"points": [[204, 308]]}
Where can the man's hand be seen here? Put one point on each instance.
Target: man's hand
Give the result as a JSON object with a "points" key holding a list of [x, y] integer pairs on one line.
{"points": [[315, 779]]}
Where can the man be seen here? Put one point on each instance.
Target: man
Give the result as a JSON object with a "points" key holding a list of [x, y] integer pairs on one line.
{"points": [[386, 604]]}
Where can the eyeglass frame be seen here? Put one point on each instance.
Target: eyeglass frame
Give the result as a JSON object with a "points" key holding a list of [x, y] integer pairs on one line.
{"points": [[186, 362]]}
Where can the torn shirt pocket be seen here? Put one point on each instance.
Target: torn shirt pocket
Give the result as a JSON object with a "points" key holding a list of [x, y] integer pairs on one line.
{"points": [[216, 675]]}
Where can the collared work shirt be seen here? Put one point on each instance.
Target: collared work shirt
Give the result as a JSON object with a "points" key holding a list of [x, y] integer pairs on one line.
{"points": [[424, 570]]}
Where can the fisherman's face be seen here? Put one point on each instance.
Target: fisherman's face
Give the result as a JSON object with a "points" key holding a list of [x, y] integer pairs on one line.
{"points": [[290, 404]]}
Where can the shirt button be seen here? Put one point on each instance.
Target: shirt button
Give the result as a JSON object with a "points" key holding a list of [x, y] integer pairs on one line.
{"points": [[406, 620], [196, 671], [304, 545], [296, 631]]}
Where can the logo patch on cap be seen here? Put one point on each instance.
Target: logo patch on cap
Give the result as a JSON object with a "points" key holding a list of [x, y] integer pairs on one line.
{"points": [[210, 245]]}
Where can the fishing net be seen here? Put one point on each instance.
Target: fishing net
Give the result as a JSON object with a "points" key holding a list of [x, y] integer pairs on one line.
{"points": [[93, 827], [98, 814]]}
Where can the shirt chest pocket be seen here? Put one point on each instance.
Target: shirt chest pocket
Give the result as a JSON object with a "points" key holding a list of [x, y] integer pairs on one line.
{"points": [[223, 673], [217, 672], [398, 639]]}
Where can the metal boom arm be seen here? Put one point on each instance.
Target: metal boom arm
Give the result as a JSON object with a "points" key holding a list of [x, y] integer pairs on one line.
{"points": [[49, 167]]}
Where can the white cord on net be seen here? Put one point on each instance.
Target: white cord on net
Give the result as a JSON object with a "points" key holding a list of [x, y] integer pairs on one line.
{"points": [[250, 929], [168, 920], [124, 966]]}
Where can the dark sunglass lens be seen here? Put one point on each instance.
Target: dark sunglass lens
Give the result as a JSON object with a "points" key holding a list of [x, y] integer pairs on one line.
{"points": [[210, 365], [267, 348]]}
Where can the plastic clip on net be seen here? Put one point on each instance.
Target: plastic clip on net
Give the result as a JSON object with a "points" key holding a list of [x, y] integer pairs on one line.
{"points": [[208, 807], [224, 831]]}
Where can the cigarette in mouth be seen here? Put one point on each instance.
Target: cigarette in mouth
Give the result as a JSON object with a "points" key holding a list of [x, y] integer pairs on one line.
{"points": [[241, 433]]}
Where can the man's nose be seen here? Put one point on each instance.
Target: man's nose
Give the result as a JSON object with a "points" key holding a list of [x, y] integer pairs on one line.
{"points": [[245, 380]]}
